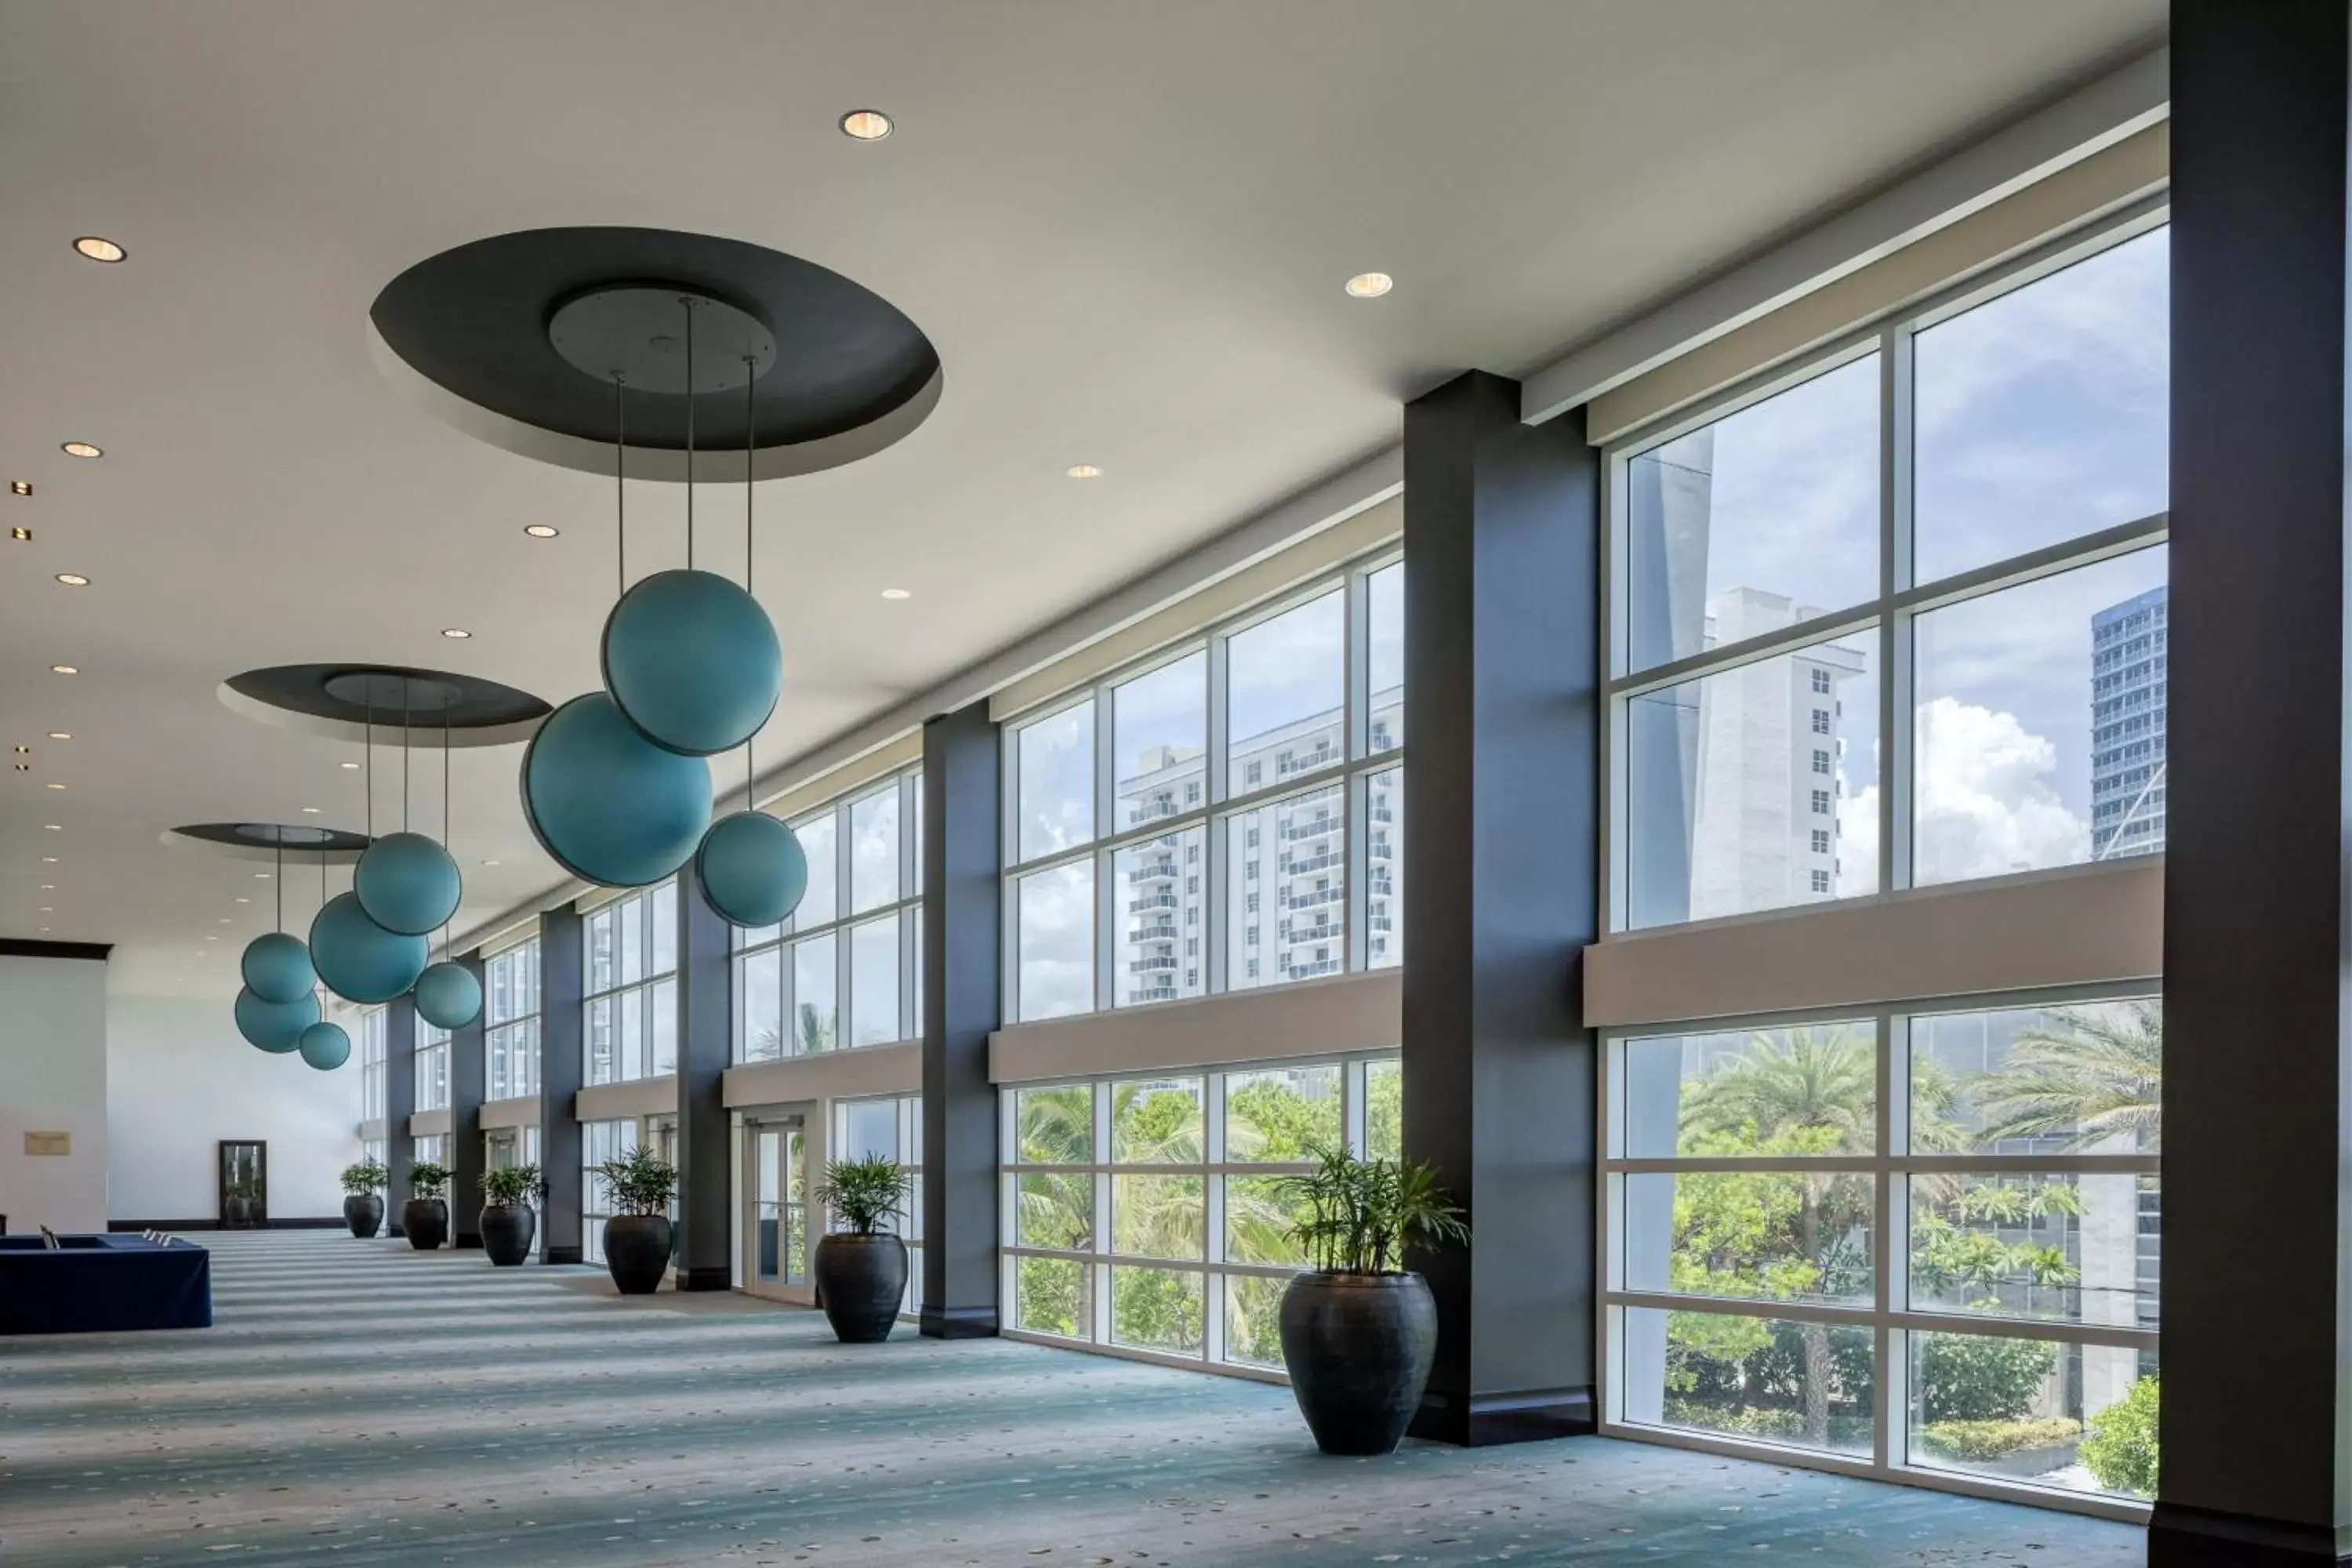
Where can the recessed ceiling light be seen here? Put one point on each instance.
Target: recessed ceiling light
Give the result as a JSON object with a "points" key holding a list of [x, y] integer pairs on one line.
{"points": [[65, 670], [262, 876], [21, 535], [243, 899], [54, 785], [866, 125], [348, 767], [44, 931], [73, 579], [896, 594], [23, 750], [45, 909], [53, 827], [24, 767], [1083, 472], [309, 810], [454, 632], [489, 862], [81, 449], [61, 734], [20, 487], [223, 920], [99, 249], [48, 887], [212, 939], [541, 529], [49, 859], [1370, 285]]}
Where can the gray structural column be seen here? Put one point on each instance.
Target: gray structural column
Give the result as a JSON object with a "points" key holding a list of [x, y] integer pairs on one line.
{"points": [[2257, 1369], [561, 983], [467, 1155], [399, 1104], [1501, 894], [705, 1035], [963, 989]]}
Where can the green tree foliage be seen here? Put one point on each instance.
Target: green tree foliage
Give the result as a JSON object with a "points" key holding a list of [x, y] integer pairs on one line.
{"points": [[513, 1185], [2121, 1449], [1974, 1377], [427, 1180], [863, 1193], [367, 1176], [2091, 1074], [639, 1182]]}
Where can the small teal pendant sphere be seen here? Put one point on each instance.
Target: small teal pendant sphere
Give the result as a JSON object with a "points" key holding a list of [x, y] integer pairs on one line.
{"points": [[408, 884], [277, 968], [609, 805], [752, 868], [692, 661], [448, 996], [275, 1026], [325, 1046], [359, 960]]}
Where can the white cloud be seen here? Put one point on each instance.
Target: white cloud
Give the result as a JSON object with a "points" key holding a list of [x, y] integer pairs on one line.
{"points": [[1986, 802]]}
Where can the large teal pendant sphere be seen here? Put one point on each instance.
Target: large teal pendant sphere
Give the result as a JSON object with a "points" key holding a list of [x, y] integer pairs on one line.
{"points": [[692, 661], [275, 1026], [277, 968], [448, 996], [609, 805], [359, 960], [751, 868], [325, 1046], [408, 884]]}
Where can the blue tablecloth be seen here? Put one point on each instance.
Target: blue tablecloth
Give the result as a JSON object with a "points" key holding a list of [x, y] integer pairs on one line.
{"points": [[98, 1284]]}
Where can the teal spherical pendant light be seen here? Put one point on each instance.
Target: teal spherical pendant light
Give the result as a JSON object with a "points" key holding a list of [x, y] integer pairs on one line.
{"points": [[277, 968], [408, 884], [448, 996], [275, 1026], [325, 1046], [358, 959], [692, 661], [752, 868], [607, 805]]}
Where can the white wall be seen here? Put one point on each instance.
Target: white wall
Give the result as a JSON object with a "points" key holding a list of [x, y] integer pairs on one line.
{"points": [[53, 1068], [182, 1078]]}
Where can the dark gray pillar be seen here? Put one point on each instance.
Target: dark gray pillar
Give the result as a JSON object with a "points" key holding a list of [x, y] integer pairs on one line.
{"points": [[561, 982], [1502, 684], [399, 1104], [705, 1037], [962, 991], [467, 1156], [2254, 1421]]}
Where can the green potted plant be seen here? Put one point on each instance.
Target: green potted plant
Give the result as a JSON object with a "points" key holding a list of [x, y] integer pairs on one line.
{"points": [[509, 1222], [861, 1271], [1358, 1330], [425, 1217], [364, 1196], [639, 1237]]}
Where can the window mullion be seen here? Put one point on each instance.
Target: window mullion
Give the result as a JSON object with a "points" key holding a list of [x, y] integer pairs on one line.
{"points": [[1896, 426]]}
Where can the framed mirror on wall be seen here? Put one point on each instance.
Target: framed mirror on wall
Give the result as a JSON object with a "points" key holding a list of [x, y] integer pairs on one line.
{"points": [[244, 1184]]}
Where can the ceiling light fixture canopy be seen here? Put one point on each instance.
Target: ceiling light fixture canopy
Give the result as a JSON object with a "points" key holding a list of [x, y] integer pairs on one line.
{"points": [[1369, 285], [541, 529], [1083, 472], [73, 579], [97, 247], [867, 125], [81, 449]]}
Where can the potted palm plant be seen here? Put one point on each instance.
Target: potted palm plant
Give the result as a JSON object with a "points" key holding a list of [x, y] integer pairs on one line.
{"points": [[509, 1222], [363, 1202], [425, 1217], [861, 1272], [639, 1237], [1360, 1331]]}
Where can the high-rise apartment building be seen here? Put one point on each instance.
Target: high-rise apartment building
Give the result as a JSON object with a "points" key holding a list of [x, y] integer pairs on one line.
{"points": [[2128, 681]]}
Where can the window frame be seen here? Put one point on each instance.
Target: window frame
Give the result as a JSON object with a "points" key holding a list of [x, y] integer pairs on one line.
{"points": [[374, 1055], [668, 891], [514, 1039]]}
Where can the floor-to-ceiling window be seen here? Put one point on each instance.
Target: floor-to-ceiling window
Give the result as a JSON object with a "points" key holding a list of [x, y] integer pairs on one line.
{"points": [[600, 1141], [432, 1067], [1224, 815], [510, 1017], [890, 1127], [846, 970], [1145, 1216], [373, 1047], [630, 955]]}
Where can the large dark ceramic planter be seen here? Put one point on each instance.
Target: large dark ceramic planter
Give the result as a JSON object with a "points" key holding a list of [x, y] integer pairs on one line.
{"points": [[636, 1251], [861, 1281], [507, 1232], [363, 1212], [425, 1223], [1358, 1347]]}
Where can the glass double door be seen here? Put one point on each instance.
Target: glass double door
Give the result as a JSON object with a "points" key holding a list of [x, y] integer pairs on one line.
{"points": [[777, 1160]]}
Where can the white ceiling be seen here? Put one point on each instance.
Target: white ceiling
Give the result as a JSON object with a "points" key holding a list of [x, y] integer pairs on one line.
{"points": [[1125, 227]]}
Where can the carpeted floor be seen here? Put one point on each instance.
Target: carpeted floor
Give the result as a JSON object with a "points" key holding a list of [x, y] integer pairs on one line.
{"points": [[360, 1402]]}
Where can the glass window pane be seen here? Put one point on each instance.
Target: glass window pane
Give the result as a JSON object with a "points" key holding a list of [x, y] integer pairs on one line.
{"points": [[1156, 1121], [2040, 725], [1285, 684], [1755, 788], [1259, 1214], [1810, 1385], [2082, 1080], [1774, 505], [2077, 1417], [1384, 876], [1160, 728], [1286, 889], [1054, 1209], [1158, 1309], [1383, 1109], [1054, 1126], [758, 1000], [1156, 885], [1253, 1319], [874, 983], [821, 903], [604, 964], [599, 1042], [1809, 1090], [2042, 414], [1159, 1216], [815, 1013], [1384, 595], [1054, 1296], [631, 940], [1057, 782], [631, 1006], [874, 850], [1279, 1114], [1055, 942], [2047, 1246], [1766, 1235], [661, 1001], [869, 1130], [661, 922], [915, 826]]}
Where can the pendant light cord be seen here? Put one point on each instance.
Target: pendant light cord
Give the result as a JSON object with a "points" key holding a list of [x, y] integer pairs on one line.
{"points": [[689, 303], [403, 754], [281, 878], [750, 370], [445, 821], [620, 484], [369, 746]]}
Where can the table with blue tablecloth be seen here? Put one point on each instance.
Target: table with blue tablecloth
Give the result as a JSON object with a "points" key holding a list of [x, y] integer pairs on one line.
{"points": [[100, 1284]]}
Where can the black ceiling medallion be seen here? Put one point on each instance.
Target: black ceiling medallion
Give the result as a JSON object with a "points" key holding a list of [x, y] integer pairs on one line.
{"points": [[342, 699], [269, 840], [516, 339]]}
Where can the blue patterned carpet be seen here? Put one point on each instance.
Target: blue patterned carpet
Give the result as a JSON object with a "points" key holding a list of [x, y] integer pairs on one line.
{"points": [[358, 1403]]}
